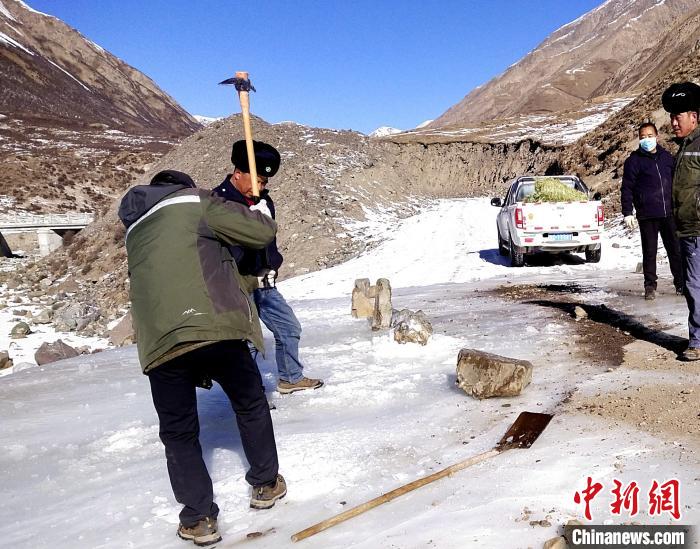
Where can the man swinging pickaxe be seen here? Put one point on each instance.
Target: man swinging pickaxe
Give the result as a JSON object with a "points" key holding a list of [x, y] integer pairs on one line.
{"points": [[243, 86]]}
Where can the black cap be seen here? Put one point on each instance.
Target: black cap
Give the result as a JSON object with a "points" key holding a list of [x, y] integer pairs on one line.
{"points": [[172, 177], [681, 97], [267, 158]]}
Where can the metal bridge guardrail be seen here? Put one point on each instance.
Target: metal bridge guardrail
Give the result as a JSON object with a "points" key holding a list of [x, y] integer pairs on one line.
{"points": [[30, 221]]}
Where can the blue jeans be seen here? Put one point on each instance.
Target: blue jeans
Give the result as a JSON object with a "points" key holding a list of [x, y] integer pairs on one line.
{"points": [[280, 319], [690, 251]]}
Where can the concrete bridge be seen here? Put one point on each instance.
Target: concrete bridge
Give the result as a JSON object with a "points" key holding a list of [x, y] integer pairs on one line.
{"points": [[50, 229]]}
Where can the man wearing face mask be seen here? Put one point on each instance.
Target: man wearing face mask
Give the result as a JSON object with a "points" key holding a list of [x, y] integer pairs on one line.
{"points": [[647, 186], [682, 102]]}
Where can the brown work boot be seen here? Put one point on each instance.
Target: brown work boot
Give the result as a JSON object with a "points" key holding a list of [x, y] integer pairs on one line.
{"points": [[203, 533], [284, 387], [265, 495], [691, 353]]}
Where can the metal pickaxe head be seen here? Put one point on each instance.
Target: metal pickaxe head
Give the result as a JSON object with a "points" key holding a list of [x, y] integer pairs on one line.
{"points": [[242, 83]]}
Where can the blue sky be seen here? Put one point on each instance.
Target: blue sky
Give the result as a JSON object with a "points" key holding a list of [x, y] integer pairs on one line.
{"points": [[334, 64]]}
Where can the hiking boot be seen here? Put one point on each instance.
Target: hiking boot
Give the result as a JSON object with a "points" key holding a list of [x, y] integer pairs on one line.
{"points": [[265, 495], [680, 290], [284, 387], [203, 533], [691, 353], [649, 294]]}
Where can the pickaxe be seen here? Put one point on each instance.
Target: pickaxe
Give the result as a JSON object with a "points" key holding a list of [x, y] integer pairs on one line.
{"points": [[243, 86]]}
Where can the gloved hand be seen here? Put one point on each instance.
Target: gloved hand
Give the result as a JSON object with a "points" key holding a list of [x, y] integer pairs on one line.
{"points": [[631, 222], [262, 208], [268, 280]]}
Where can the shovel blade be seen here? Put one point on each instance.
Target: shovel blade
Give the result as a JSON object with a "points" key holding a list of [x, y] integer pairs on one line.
{"points": [[524, 432]]}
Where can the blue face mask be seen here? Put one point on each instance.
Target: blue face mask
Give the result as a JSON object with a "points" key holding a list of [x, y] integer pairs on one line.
{"points": [[648, 143]]}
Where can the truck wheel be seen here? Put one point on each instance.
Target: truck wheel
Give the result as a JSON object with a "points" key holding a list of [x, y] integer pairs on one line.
{"points": [[517, 259], [593, 256], [502, 249]]}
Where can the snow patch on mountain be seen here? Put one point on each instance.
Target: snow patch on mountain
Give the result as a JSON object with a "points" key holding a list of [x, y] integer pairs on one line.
{"points": [[206, 120], [383, 131], [12, 42], [5, 12]]}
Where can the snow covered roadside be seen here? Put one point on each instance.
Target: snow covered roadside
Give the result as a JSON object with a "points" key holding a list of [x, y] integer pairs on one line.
{"points": [[81, 464]]}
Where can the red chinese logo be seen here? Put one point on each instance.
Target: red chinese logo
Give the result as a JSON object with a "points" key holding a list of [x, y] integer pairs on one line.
{"points": [[588, 494], [663, 498]]}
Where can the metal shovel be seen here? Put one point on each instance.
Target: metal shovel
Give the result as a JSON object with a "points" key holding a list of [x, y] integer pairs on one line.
{"points": [[522, 434]]}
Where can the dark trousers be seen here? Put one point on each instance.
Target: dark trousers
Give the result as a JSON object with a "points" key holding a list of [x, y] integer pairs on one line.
{"points": [[649, 230], [173, 387]]}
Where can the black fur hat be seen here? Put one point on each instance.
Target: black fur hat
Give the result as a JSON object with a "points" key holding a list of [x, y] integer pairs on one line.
{"points": [[681, 97], [267, 158]]}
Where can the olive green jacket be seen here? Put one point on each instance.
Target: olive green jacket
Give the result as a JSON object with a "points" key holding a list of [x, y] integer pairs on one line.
{"points": [[686, 186], [185, 287]]}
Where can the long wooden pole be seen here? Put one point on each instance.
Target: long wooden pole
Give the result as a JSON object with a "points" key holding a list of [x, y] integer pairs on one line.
{"points": [[342, 517], [244, 98]]}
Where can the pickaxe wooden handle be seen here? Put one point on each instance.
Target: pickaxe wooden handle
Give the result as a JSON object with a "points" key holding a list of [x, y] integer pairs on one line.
{"points": [[243, 86]]}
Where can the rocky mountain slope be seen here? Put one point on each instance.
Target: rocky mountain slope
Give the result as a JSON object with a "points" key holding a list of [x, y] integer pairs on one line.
{"points": [[51, 73], [616, 49], [601, 153], [76, 123]]}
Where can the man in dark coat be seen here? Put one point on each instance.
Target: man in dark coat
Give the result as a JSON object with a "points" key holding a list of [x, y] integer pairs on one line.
{"points": [[647, 185], [193, 322], [682, 102], [261, 267]]}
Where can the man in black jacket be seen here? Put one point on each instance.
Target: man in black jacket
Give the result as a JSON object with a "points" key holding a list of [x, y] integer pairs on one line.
{"points": [[647, 185], [263, 266]]}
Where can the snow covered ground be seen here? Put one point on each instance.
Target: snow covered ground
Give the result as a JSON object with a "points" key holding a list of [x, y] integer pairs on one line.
{"points": [[81, 464]]}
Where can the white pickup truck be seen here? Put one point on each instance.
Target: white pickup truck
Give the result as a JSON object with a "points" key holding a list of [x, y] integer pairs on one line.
{"points": [[554, 227]]}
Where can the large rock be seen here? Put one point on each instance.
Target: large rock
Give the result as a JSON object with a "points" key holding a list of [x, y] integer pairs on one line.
{"points": [[123, 332], [556, 543], [51, 352], [20, 330], [5, 360], [44, 317], [362, 304], [485, 375], [411, 327], [381, 317], [75, 316]]}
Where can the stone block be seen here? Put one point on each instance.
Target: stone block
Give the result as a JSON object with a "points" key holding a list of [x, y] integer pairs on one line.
{"points": [[411, 327], [381, 317], [362, 305], [485, 375], [51, 352]]}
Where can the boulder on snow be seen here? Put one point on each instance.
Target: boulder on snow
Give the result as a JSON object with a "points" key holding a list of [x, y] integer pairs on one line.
{"points": [[20, 330], [411, 327], [44, 317], [51, 352], [123, 333], [75, 316], [5, 360], [381, 317], [556, 543], [485, 375], [362, 304]]}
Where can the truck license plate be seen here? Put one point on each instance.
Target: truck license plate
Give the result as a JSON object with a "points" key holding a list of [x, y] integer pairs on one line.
{"points": [[561, 236]]}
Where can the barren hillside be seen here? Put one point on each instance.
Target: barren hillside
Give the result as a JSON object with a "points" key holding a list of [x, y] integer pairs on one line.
{"points": [[616, 49]]}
